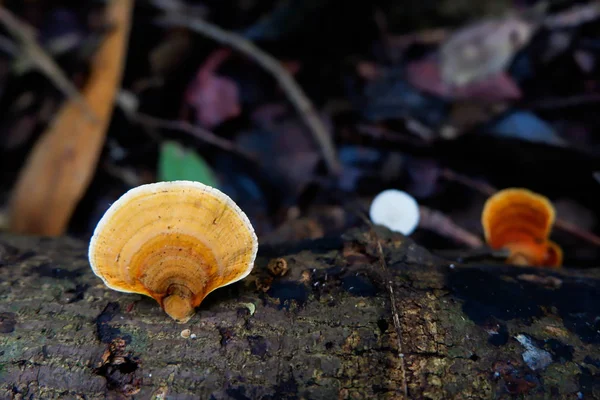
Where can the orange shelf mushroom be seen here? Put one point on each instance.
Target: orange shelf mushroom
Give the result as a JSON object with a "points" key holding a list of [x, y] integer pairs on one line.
{"points": [[521, 221], [175, 242]]}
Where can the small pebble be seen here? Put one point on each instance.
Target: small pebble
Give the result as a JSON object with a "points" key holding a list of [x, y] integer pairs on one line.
{"points": [[186, 333], [193, 336]]}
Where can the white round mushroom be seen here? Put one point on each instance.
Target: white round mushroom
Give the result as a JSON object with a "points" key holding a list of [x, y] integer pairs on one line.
{"points": [[396, 210]]}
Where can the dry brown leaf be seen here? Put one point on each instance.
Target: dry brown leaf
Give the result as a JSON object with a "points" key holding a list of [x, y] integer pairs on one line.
{"points": [[426, 76], [215, 98], [62, 163], [485, 48]]}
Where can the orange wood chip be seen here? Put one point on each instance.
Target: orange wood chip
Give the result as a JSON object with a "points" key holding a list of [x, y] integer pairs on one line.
{"points": [[62, 163]]}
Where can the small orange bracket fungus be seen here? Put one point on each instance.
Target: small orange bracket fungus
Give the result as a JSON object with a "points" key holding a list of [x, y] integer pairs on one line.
{"points": [[396, 210], [521, 221], [175, 242]]}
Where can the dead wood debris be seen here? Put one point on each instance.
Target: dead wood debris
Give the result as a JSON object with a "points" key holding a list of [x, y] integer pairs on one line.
{"points": [[119, 367], [193, 130], [437, 222], [63, 161], [295, 94], [43, 62]]}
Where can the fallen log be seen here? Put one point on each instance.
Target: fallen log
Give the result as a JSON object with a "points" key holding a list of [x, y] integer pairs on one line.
{"points": [[323, 330]]}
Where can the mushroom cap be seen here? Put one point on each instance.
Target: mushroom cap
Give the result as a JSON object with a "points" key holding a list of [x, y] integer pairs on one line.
{"points": [[517, 215], [174, 241], [554, 255], [396, 210], [531, 253], [526, 252]]}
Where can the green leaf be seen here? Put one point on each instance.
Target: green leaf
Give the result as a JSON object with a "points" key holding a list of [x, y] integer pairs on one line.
{"points": [[176, 162]]}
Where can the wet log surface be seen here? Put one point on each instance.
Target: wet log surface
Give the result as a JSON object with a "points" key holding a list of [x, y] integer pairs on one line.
{"points": [[323, 331]]}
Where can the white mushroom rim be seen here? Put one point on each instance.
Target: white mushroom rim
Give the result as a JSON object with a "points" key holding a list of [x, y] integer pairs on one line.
{"points": [[157, 187], [396, 210]]}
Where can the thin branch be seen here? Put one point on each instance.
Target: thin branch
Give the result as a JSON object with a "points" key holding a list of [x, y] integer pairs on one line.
{"points": [[193, 130], [384, 135], [388, 283], [575, 231], [471, 183], [437, 222], [36, 54], [395, 314], [295, 94], [489, 190], [565, 102]]}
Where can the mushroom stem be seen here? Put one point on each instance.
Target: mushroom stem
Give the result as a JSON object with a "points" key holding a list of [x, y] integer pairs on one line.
{"points": [[178, 303]]}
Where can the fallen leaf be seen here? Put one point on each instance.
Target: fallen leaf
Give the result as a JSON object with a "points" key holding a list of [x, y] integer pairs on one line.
{"points": [[214, 98], [368, 70], [359, 164], [62, 162], [391, 96], [558, 43], [178, 163], [585, 60], [526, 126], [482, 49], [424, 176], [267, 115], [574, 16], [465, 115], [426, 76], [285, 151], [170, 52]]}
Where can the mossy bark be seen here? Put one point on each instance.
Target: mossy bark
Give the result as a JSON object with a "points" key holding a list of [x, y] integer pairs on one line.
{"points": [[324, 330]]}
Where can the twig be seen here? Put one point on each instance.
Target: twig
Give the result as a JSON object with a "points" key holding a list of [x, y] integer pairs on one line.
{"points": [[382, 134], [196, 131], [125, 175], [565, 102], [425, 37], [575, 231], [43, 61], [295, 94], [439, 223], [474, 184], [388, 280], [395, 315], [489, 190], [573, 16]]}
